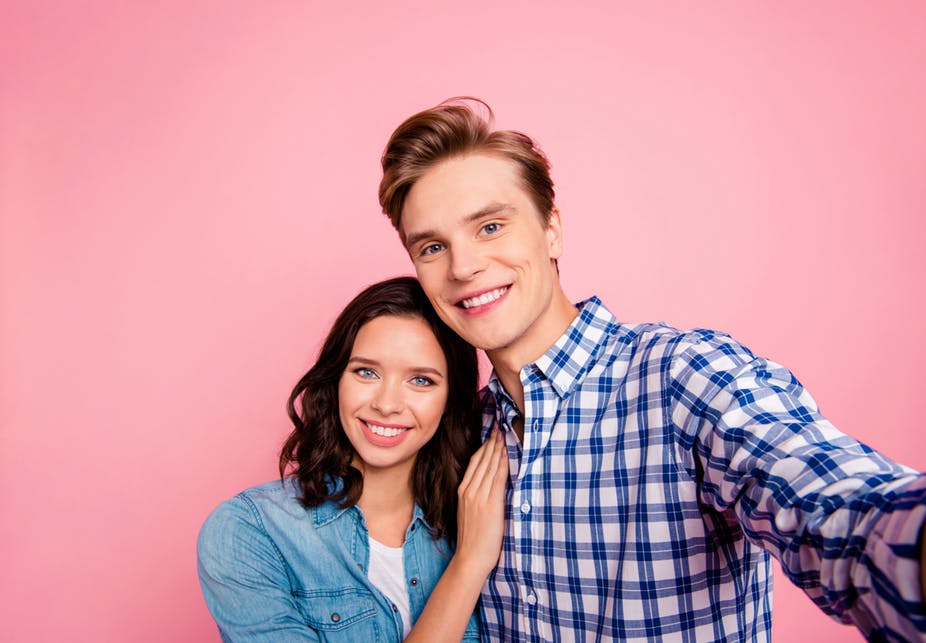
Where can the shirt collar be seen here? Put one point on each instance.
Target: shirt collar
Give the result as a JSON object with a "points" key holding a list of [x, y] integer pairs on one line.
{"points": [[330, 511], [572, 355]]}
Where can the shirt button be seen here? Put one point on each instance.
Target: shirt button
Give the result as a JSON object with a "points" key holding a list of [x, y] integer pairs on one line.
{"points": [[414, 581], [531, 599], [335, 617], [525, 507], [394, 608]]}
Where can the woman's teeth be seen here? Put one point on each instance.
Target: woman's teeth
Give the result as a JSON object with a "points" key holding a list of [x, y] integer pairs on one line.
{"points": [[385, 431]]}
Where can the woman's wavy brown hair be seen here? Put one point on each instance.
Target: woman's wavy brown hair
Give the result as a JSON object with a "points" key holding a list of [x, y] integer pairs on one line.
{"points": [[317, 453]]}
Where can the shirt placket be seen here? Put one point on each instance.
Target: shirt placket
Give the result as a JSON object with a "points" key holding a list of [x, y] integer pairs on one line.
{"points": [[530, 587]]}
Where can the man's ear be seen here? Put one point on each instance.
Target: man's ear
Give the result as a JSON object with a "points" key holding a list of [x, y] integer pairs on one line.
{"points": [[554, 233]]}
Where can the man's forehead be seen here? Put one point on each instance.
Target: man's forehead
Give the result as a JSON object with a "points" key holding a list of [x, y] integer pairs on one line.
{"points": [[459, 190]]}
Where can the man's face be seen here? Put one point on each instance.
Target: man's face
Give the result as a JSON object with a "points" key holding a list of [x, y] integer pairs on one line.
{"points": [[484, 256]]}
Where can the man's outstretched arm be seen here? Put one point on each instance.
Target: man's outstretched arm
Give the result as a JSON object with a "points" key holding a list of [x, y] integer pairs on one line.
{"points": [[923, 559], [846, 523]]}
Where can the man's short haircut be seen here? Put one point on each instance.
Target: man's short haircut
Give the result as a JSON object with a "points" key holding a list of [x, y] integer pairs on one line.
{"points": [[457, 127]]}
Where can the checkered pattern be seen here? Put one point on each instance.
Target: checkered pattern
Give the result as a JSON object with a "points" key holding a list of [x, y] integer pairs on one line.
{"points": [[658, 468]]}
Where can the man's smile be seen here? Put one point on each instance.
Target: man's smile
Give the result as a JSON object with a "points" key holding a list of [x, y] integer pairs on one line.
{"points": [[482, 299]]}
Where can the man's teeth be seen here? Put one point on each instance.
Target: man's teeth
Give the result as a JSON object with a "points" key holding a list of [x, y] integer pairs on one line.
{"points": [[484, 298], [385, 431]]}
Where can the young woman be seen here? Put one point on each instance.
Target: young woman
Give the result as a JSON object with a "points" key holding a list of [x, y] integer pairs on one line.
{"points": [[355, 543]]}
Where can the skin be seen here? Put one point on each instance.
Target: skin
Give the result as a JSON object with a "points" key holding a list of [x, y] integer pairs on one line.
{"points": [[397, 377], [481, 527], [470, 228]]}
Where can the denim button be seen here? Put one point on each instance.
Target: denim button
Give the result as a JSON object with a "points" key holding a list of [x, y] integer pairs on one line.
{"points": [[335, 617], [394, 608], [414, 581]]}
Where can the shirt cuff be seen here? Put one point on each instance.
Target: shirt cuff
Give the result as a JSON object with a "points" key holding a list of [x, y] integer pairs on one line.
{"points": [[895, 600]]}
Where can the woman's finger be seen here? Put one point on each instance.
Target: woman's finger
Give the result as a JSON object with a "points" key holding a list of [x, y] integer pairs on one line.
{"points": [[483, 483], [479, 465], [474, 461]]}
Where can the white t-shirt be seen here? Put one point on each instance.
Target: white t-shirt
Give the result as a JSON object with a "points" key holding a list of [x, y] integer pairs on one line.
{"points": [[387, 572]]}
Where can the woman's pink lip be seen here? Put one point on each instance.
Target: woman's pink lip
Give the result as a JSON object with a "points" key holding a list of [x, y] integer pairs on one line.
{"points": [[382, 440], [385, 424]]}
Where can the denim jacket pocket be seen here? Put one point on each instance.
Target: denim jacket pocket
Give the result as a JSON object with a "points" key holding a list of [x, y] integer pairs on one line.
{"points": [[346, 614]]}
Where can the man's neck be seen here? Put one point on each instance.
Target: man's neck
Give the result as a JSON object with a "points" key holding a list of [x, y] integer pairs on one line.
{"points": [[509, 361]]}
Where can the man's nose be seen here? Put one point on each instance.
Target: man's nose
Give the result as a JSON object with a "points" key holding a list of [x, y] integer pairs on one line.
{"points": [[466, 261]]}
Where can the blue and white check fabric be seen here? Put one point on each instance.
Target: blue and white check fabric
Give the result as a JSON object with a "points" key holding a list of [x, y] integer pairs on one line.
{"points": [[657, 470]]}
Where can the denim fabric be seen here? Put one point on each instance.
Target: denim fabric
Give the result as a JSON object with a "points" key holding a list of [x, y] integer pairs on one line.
{"points": [[273, 570]]}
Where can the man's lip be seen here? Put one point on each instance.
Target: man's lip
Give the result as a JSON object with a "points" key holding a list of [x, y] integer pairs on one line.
{"points": [[479, 293]]}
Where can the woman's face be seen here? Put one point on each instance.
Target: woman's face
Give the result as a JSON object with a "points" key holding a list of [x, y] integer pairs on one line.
{"points": [[393, 391]]}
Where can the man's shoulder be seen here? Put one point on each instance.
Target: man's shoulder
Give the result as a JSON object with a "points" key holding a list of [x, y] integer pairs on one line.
{"points": [[597, 322], [629, 336], [660, 347]]}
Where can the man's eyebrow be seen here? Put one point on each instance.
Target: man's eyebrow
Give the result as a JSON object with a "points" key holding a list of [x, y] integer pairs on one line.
{"points": [[495, 207]]}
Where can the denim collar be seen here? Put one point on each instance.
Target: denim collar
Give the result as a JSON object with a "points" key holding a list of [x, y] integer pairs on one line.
{"points": [[330, 511]]}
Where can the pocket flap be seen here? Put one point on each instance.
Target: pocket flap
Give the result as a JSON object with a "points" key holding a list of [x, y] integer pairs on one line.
{"points": [[335, 609]]}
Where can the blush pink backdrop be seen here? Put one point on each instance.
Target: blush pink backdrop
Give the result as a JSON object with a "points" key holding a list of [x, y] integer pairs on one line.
{"points": [[188, 197]]}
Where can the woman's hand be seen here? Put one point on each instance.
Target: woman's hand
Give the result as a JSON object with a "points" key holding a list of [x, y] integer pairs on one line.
{"points": [[481, 509], [480, 528]]}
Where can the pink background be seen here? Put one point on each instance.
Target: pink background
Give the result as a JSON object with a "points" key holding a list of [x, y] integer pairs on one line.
{"points": [[188, 197]]}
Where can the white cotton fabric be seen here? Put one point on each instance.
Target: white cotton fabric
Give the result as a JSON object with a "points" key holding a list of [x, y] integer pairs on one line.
{"points": [[387, 572]]}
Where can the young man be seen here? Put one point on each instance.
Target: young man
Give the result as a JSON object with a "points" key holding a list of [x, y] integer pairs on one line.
{"points": [[653, 471]]}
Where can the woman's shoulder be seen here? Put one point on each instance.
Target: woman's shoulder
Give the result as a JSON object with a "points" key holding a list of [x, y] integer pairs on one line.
{"points": [[270, 512], [259, 507]]}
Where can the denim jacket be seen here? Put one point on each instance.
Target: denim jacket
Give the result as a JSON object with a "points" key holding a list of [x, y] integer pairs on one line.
{"points": [[273, 570]]}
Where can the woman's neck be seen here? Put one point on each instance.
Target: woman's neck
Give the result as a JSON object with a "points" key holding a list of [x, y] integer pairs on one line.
{"points": [[388, 504]]}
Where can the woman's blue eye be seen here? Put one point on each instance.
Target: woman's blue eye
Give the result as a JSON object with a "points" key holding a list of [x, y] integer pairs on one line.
{"points": [[366, 373], [421, 380]]}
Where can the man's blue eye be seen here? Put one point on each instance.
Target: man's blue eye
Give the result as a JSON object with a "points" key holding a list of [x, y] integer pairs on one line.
{"points": [[491, 228], [431, 249]]}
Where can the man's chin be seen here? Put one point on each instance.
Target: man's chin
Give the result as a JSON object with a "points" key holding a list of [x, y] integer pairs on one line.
{"points": [[487, 344]]}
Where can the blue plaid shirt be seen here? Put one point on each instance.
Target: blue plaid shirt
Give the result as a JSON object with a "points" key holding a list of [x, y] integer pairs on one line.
{"points": [[658, 471]]}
